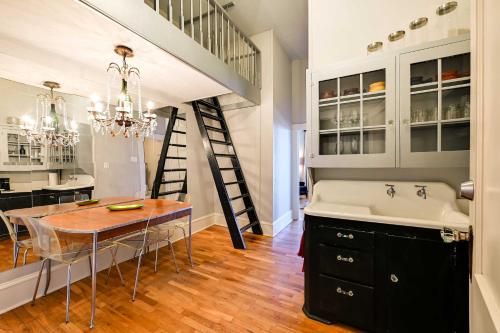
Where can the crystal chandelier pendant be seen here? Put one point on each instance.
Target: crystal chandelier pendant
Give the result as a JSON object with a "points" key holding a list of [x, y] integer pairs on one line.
{"points": [[45, 126], [123, 120]]}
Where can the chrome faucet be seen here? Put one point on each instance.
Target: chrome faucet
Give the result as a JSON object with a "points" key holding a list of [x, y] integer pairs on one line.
{"points": [[390, 191], [422, 192]]}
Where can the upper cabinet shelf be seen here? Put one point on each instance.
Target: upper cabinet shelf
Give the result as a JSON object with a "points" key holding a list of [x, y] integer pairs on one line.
{"points": [[368, 114]]}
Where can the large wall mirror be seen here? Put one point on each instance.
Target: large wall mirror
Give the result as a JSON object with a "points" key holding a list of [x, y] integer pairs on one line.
{"points": [[31, 175]]}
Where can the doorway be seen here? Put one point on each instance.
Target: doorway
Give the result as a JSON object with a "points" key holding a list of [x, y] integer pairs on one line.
{"points": [[300, 188]]}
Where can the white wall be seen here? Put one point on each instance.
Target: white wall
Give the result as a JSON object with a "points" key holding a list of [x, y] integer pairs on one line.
{"points": [[299, 67], [282, 127], [341, 29]]}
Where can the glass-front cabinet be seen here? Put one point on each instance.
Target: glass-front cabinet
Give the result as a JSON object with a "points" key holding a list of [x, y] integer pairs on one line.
{"points": [[435, 106], [366, 114], [353, 115]]}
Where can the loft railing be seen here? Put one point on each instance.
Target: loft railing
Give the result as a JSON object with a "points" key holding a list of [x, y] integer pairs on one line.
{"points": [[208, 23]]}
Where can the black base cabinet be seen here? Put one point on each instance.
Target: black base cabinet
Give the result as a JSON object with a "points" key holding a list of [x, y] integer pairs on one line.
{"points": [[385, 278]]}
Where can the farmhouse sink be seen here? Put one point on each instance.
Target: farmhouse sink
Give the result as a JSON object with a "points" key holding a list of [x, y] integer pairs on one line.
{"points": [[370, 201], [78, 181]]}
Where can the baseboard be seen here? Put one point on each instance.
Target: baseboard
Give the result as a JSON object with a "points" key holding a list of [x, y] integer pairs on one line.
{"points": [[269, 228], [19, 290]]}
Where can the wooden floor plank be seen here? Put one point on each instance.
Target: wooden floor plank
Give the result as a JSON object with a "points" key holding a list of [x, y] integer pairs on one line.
{"points": [[228, 290]]}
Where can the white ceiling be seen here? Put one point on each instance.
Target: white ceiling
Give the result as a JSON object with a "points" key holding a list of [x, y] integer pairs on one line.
{"points": [[67, 42], [288, 18]]}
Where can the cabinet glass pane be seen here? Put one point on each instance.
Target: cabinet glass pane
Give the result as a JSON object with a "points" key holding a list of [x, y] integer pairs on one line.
{"points": [[374, 81], [328, 117], [424, 107], [455, 136], [349, 115], [328, 89], [374, 141], [423, 138], [349, 143], [328, 144], [424, 72], [349, 85], [455, 67], [374, 112], [456, 103]]}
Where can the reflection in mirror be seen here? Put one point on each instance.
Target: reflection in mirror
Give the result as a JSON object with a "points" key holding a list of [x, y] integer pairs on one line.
{"points": [[36, 174]]}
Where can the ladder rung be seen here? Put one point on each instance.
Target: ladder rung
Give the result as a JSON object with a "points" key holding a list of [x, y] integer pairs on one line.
{"points": [[172, 181], [243, 211], [181, 118], [211, 116], [239, 196], [168, 192], [215, 129], [173, 170], [227, 169], [248, 226], [176, 145], [220, 142], [234, 183], [208, 104], [179, 132], [175, 158], [225, 155]]}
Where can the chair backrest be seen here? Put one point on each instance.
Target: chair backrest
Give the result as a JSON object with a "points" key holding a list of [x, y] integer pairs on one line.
{"points": [[9, 226], [81, 197], [44, 239], [73, 198]]}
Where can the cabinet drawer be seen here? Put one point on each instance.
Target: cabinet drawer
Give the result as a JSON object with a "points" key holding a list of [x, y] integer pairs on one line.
{"points": [[347, 302], [352, 239], [346, 264]]}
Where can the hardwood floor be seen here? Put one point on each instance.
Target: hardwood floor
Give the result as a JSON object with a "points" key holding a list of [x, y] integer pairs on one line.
{"points": [[228, 290], [7, 261]]}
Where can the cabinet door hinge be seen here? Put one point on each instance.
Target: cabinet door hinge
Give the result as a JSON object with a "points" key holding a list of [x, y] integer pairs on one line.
{"points": [[450, 235]]}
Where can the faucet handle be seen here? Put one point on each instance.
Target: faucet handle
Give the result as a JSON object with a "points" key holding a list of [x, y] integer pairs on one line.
{"points": [[421, 186], [390, 185]]}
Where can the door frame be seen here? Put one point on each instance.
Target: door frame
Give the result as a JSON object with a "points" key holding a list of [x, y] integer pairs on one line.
{"points": [[296, 129], [484, 307]]}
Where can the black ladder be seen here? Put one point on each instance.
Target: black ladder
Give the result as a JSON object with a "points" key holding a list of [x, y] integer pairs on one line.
{"points": [[163, 170], [218, 136]]}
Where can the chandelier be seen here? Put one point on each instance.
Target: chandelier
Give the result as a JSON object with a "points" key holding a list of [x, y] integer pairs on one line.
{"points": [[45, 126], [123, 120]]}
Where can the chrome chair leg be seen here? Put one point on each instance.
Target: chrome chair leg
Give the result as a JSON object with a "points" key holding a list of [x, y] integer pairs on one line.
{"points": [[68, 292], [25, 256], [187, 247], [156, 253], [115, 263], [137, 273], [38, 280], [90, 265], [173, 255], [16, 255]]}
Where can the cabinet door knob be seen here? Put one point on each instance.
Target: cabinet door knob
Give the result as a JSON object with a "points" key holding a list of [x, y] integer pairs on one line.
{"points": [[394, 278]]}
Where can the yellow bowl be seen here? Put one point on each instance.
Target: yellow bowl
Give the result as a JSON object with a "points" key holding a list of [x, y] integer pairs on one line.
{"points": [[377, 86]]}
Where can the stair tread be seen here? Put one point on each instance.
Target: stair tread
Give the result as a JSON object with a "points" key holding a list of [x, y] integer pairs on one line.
{"points": [[208, 104], [172, 170], [179, 132], [248, 226], [168, 192], [220, 142], [181, 118], [235, 182], [172, 181], [211, 116], [176, 145], [215, 129], [225, 155], [240, 196], [175, 157], [243, 211], [227, 169]]}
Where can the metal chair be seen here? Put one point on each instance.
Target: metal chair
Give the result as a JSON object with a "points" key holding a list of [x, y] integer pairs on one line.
{"points": [[25, 244], [169, 228], [141, 242], [73, 198], [65, 248]]}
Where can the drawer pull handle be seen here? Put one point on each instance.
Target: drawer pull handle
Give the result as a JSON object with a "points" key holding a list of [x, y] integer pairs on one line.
{"points": [[347, 259], [341, 235], [394, 278], [343, 292]]}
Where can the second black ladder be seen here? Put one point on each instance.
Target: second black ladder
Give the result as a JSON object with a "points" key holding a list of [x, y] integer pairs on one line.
{"points": [[163, 171], [215, 133]]}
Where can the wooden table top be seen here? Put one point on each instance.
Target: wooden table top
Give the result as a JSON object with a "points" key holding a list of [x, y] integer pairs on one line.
{"points": [[41, 211], [100, 219]]}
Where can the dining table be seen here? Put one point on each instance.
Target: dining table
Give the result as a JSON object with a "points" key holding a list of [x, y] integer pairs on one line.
{"points": [[100, 223]]}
